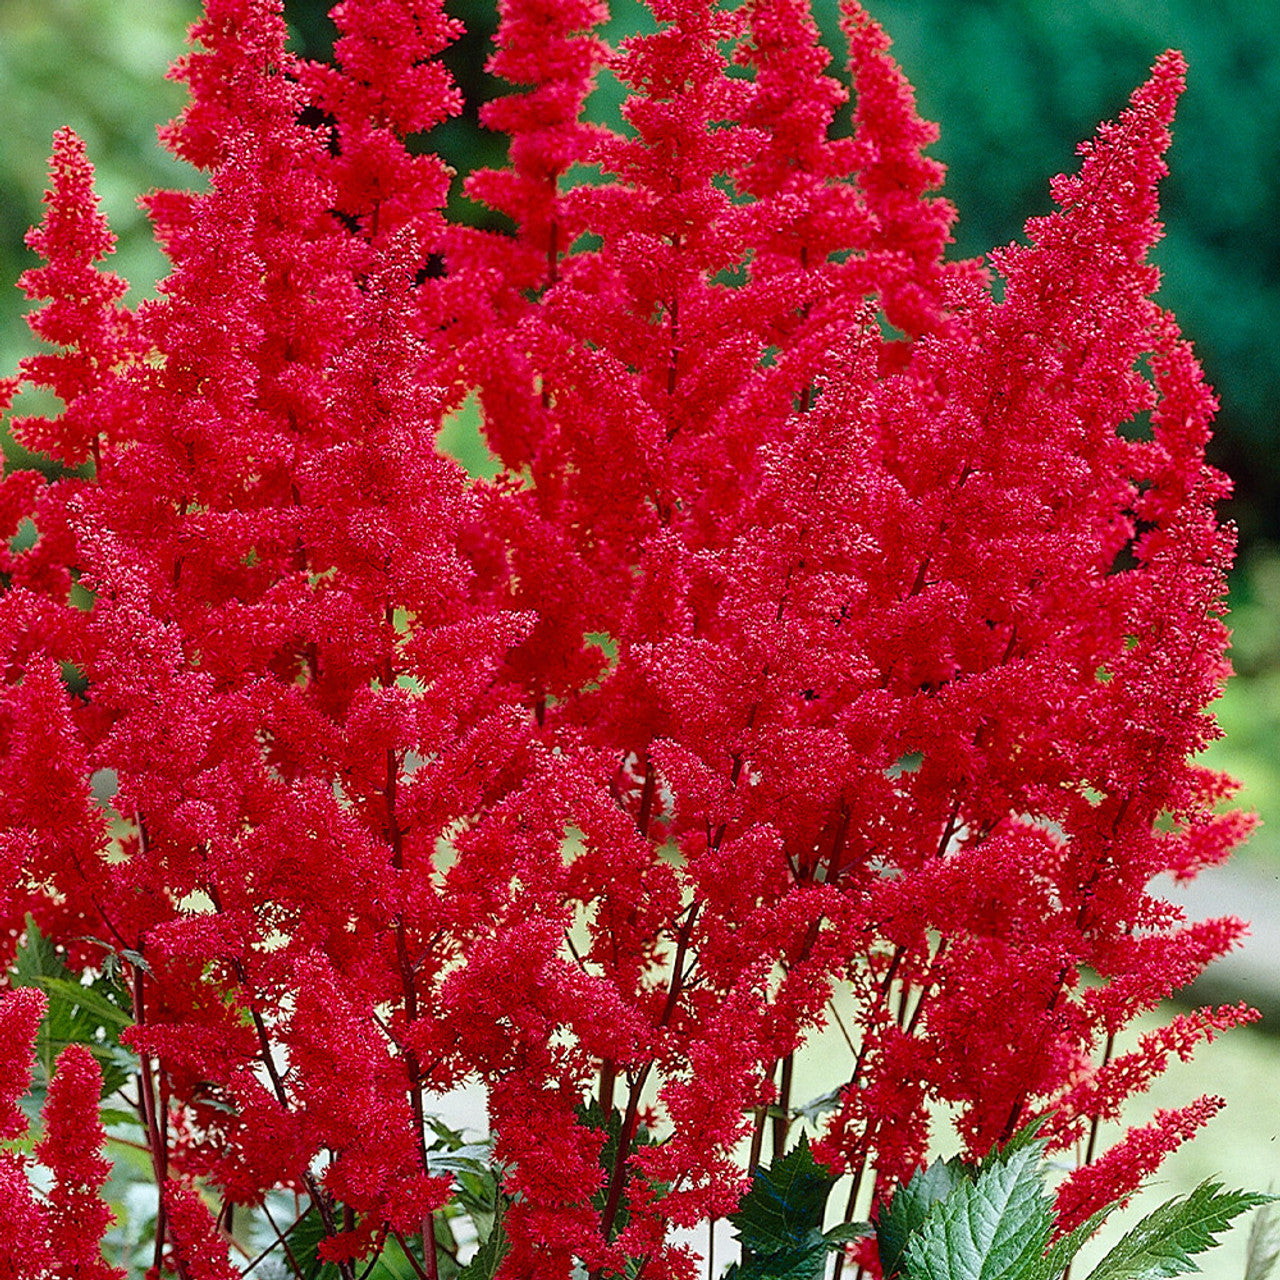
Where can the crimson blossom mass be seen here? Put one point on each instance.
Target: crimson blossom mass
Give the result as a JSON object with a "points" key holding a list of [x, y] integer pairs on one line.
{"points": [[835, 637]]}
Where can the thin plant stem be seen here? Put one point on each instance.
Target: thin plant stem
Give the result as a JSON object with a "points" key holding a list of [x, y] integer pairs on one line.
{"points": [[282, 1239], [782, 1117]]}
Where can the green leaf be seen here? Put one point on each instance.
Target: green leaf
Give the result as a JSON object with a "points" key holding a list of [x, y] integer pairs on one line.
{"points": [[304, 1243], [1055, 1263], [592, 1115], [138, 960], [784, 1207], [77, 1014], [803, 1263], [447, 1139], [92, 1015], [472, 1158], [1162, 1244], [36, 958], [910, 1206], [993, 1228], [86, 999], [117, 1115], [847, 1233], [1027, 1136], [493, 1249]]}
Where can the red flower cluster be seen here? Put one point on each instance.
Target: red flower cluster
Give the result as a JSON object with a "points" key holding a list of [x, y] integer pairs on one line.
{"points": [[840, 618], [59, 1237]]}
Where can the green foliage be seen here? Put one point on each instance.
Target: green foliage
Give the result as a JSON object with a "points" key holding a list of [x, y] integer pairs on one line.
{"points": [[1263, 1251], [476, 1208], [1163, 1243], [484, 1265], [994, 1221], [92, 1014], [992, 1227], [780, 1220], [592, 1115], [304, 1243], [905, 1214], [810, 1111], [785, 1203]]}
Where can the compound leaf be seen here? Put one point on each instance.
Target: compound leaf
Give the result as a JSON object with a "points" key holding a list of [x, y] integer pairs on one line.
{"points": [[993, 1228], [1162, 1244]]}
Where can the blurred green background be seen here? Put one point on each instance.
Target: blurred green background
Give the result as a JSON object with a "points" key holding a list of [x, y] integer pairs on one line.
{"points": [[1015, 85]]}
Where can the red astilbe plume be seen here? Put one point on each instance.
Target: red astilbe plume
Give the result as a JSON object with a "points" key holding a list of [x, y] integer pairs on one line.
{"points": [[889, 583], [245, 661], [20, 1015], [199, 1251], [386, 84], [82, 313], [96, 338], [281, 640], [1122, 1169], [864, 198], [44, 773], [909, 229], [548, 48], [228, 37], [50, 812], [1134, 650], [71, 1149], [24, 1224]]}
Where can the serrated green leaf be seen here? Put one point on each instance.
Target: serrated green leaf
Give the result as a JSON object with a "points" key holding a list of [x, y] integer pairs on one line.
{"points": [[304, 1243], [910, 1206], [1027, 1136], [784, 1207], [847, 1233], [472, 1158], [592, 1115], [1162, 1244], [447, 1138], [86, 999], [117, 1115], [36, 958], [1055, 1262], [138, 960], [89, 1015], [805, 1262], [488, 1257], [993, 1228]]}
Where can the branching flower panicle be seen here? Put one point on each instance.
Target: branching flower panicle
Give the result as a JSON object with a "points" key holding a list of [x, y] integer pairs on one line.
{"points": [[834, 640]]}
